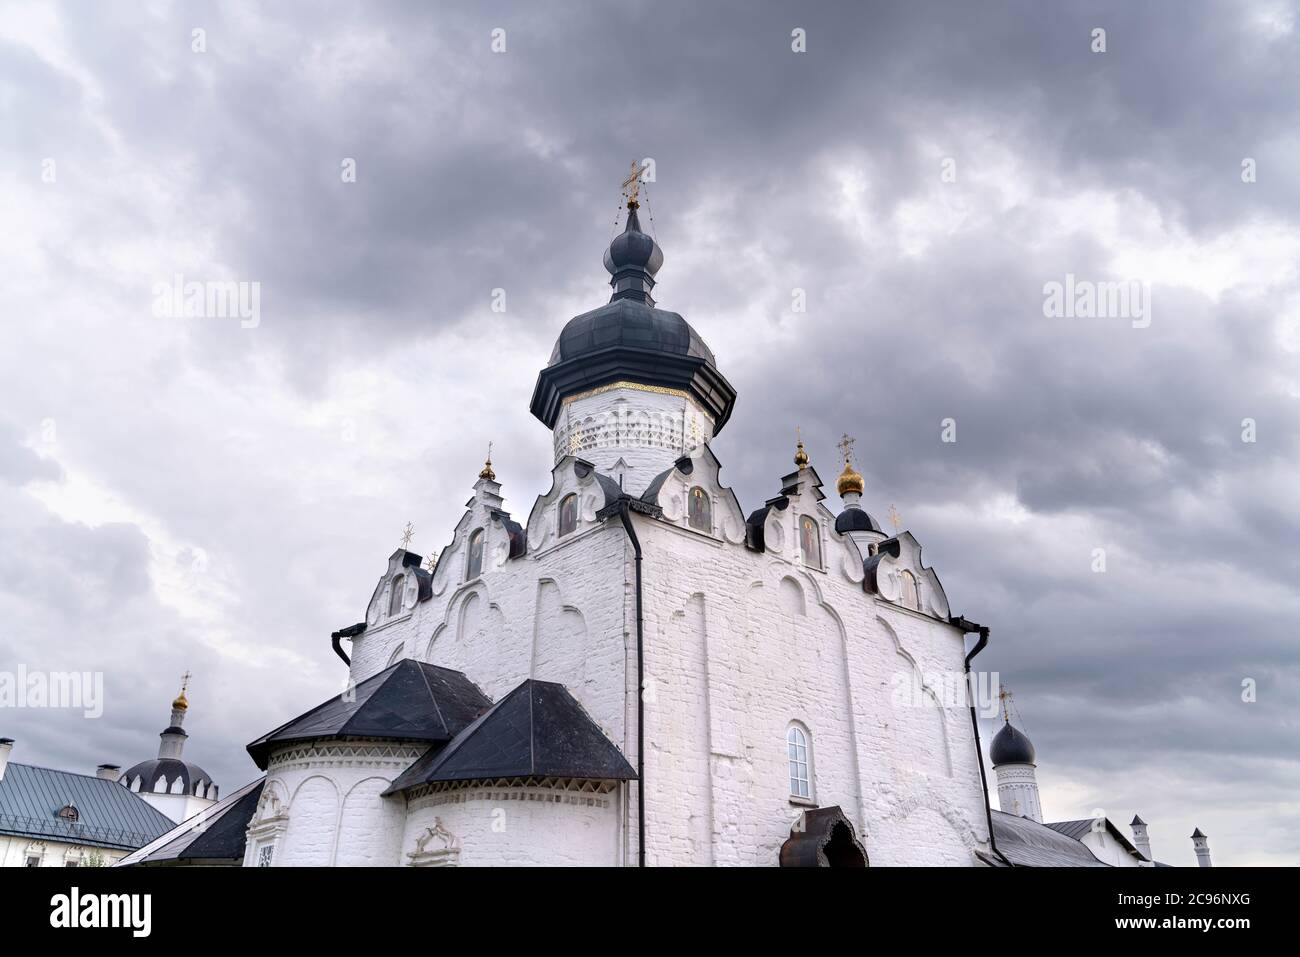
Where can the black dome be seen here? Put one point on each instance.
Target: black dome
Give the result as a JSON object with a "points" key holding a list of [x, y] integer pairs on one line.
{"points": [[856, 520], [635, 250], [629, 324], [150, 771], [1010, 747]]}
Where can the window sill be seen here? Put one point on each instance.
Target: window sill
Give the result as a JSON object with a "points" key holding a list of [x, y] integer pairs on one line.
{"points": [[802, 801]]}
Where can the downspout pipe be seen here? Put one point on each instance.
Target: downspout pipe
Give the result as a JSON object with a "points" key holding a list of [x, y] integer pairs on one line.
{"points": [[625, 515], [351, 631], [968, 627]]}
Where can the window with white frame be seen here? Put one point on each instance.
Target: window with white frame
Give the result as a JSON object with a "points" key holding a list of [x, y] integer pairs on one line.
{"points": [[799, 751]]}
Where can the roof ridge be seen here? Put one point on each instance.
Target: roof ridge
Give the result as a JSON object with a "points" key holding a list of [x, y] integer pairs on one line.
{"points": [[79, 774], [429, 688]]}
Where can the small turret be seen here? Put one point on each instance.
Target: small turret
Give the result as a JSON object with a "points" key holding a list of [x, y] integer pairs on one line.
{"points": [[1201, 844], [1140, 839]]}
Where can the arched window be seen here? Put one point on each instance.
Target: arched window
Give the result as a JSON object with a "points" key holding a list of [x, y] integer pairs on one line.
{"points": [[701, 510], [395, 599], [69, 813], [568, 514], [800, 754], [911, 599], [810, 542], [474, 564]]}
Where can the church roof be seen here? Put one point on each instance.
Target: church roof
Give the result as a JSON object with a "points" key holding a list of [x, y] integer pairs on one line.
{"points": [[537, 730], [1027, 843], [166, 771], [217, 836], [1011, 746], [1077, 829], [407, 701], [856, 520], [107, 814]]}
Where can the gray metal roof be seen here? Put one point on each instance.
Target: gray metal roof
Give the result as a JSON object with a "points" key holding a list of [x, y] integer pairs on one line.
{"points": [[216, 835], [108, 815], [1027, 843], [1076, 830]]}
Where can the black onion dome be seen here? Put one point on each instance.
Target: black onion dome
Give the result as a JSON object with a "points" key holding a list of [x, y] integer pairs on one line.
{"points": [[856, 520], [629, 340], [633, 251], [170, 768], [1010, 747]]}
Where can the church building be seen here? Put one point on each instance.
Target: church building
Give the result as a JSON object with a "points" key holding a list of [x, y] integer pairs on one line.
{"points": [[640, 670]]}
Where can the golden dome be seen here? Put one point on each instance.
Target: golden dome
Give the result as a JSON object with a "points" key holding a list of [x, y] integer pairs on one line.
{"points": [[180, 704], [487, 472], [850, 480], [800, 456]]}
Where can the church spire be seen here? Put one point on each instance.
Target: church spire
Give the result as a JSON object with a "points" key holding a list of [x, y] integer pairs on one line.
{"points": [[633, 258]]}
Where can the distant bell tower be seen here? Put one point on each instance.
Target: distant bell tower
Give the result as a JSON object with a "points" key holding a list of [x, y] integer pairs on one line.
{"points": [[1201, 844], [631, 387], [1012, 755]]}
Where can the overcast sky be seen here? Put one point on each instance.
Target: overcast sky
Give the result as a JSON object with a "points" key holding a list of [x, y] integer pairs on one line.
{"points": [[187, 493]]}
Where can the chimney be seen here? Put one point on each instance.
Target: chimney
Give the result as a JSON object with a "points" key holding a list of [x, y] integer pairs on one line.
{"points": [[1202, 845], [109, 772], [6, 745], [1140, 839]]}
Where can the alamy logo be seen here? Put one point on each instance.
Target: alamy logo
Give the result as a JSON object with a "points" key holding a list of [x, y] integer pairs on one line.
{"points": [[179, 299], [133, 911], [53, 689], [1085, 299]]}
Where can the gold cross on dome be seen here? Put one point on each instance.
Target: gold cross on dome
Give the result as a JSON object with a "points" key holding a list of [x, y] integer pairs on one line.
{"points": [[632, 185], [846, 447], [185, 683], [1004, 695], [432, 562], [895, 519], [407, 534]]}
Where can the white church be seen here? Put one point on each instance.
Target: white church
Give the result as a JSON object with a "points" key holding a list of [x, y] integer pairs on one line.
{"points": [[641, 671]]}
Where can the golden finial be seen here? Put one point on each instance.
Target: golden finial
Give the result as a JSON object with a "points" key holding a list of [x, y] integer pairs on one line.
{"points": [[182, 703], [800, 456], [850, 478], [632, 185], [432, 561], [487, 472], [408, 533], [895, 519]]}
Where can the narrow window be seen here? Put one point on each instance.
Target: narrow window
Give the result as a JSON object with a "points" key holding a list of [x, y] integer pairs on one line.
{"points": [[568, 514], [395, 599], [910, 597], [810, 542], [796, 740], [264, 855], [701, 510], [33, 861], [474, 566]]}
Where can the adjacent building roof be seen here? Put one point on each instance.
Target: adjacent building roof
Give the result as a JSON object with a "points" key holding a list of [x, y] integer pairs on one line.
{"points": [[215, 836], [407, 701], [1027, 843], [537, 730], [107, 814], [1077, 829]]}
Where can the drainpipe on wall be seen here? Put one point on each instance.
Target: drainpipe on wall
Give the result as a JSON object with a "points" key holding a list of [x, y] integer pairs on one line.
{"points": [[349, 632], [625, 515], [983, 632]]}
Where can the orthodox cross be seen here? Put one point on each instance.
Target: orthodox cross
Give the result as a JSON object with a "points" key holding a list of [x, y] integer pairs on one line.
{"points": [[1004, 695], [185, 683], [846, 448], [407, 534], [895, 519], [432, 562], [632, 185]]}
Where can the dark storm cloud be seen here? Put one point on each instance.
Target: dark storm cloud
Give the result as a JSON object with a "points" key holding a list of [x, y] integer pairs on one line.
{"points": [[776, 171]]}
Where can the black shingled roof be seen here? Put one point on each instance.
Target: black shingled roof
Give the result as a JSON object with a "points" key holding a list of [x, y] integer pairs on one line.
{"points": [[408, 701], [537, 730]]}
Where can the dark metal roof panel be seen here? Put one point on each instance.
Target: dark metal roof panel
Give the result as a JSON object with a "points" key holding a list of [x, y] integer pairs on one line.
{"points": [[218, 834], [409, 701], [1027, 843], [108, 815], [537, 730]]}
